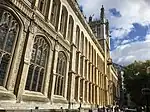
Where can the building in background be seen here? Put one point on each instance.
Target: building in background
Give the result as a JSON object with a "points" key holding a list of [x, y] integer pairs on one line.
{"points": [[100, 29], [120, 72], [50, 58]]}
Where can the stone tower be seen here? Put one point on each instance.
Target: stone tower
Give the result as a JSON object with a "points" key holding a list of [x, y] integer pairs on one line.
{"points": [[101, 30]]}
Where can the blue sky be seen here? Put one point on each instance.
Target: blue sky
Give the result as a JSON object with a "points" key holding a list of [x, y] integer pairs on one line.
{"points": [[129, 27]]}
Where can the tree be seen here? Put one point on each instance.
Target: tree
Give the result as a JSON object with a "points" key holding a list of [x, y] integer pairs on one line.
{"points": [[136, 78]]}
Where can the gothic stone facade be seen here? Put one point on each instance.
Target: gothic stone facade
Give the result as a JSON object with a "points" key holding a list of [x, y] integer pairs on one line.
{"points": [[49, 57]]}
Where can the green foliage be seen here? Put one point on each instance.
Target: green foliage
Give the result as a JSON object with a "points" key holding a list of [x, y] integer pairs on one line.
{"points": [[136, 78]]}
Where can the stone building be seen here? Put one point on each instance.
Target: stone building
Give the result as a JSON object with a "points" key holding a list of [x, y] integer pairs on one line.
{"points": [[50, 57]]}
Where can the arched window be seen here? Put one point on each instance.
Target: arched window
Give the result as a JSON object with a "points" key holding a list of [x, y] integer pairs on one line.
{"points": [[82, 42], [77, 36], [63, 22], [42, 5], [55, 13], [70, 28], [9, 29], [38, 63], [86, 46], [60, 73]]}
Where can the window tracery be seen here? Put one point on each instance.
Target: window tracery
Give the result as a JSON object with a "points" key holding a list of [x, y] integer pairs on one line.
{"points": [[70, 28], [77, 36], [9, 28], [42, 5], [63, 22], [36, 72], [60, 73], [55, 12]]}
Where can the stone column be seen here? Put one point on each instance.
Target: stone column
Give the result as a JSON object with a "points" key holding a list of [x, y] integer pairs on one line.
{"points": [[90, 93], [97, 76], [25, 65], [71, 86], [97, 95], [87, 70], [90, 72], [86, 91], [83, 91], [78, 67], [83, 66], [93, 74], [103, 97], [66, 80], [100, 101], [93, 94], [91, 85], [78, 90], [54, 66], [47, 75]]}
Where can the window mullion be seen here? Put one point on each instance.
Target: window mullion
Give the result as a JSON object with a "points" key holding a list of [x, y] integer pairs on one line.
{"points": [[38, 78], [59, 86], [30, 88], [37, 47], [42, 85], [41, 55], [61, 71], [56, 84], [62, 86], [6, 38]]}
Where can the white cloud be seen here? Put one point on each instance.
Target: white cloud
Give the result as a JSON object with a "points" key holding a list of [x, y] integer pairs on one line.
{"points": [[132, 11], [126, 54], [147, 37], [125, 41]]}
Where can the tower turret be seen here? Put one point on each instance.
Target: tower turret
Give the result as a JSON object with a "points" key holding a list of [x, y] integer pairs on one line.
{"points": [[102, 14]]}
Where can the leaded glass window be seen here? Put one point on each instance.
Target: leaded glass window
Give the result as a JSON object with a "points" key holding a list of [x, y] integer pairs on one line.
{"points": [[77, 36], [60, 73], [9, 29], [55, 12], [63, 22], [42, 6], [70, 29], [36, 72], [82, 42]]}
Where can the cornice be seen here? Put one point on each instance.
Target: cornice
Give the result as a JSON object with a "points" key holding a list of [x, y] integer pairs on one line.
{"points": [[75, 7]]}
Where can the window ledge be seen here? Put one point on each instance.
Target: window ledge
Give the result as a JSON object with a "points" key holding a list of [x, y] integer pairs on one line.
{"points": [[6, 95], [59, 99], [34, 96]]}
